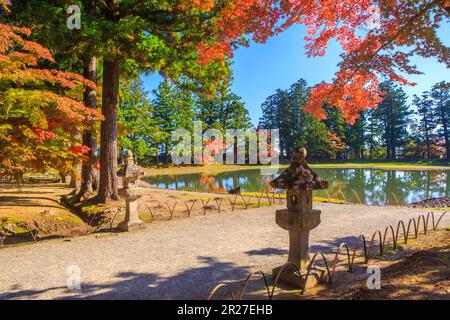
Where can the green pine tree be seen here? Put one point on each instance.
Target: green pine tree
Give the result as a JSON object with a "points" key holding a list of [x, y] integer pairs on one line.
{"points": [[137, 125], [441, 96], [393, 116]]}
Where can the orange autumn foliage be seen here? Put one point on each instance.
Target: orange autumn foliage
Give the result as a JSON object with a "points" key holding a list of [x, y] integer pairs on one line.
{"points": [[40, 121]]}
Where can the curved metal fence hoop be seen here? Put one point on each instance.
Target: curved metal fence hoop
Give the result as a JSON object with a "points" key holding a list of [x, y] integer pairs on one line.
{"points": [[338, 251], [412, 220], [204, 204], [189, 209], [428, 221], [218, 203], [353, 259], [148, 209], [268, 198], [216, 288], [363, 238], [440, 218], [247, 280], [431, 213], [249, 200], [394, 239], [233, 204], [424, 224], [171, 210], [380, 240], [258, 199], [243, 200], [405, 235]]}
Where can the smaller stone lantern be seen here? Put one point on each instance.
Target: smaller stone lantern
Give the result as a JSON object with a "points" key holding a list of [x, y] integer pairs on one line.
{"points": [[299, 218], [131, 193]]}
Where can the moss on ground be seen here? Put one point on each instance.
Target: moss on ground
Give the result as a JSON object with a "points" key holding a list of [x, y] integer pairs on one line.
{"points": [[146, 218], [93, 209], [69, 219], [13, 226]]}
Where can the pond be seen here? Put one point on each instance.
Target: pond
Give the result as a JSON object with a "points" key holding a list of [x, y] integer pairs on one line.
{"points": [[368, 186]]}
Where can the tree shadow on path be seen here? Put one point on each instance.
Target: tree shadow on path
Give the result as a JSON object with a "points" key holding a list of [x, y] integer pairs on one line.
{"points": [[193, 283]]}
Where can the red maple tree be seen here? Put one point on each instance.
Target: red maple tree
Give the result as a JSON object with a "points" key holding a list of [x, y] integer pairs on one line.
{"points": [[40, 117]]}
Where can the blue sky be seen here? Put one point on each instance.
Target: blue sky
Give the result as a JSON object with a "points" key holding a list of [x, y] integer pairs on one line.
{"points": [[261, 69]]}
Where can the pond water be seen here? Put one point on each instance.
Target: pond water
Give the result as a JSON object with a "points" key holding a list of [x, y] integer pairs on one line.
{"points": [[368, 186]]}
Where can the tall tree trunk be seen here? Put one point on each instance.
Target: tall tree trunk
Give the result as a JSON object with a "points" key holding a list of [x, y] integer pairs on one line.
{"points": [[63, 177], [108, 188], [427, 138], [73, 181], [445, 128], [89, 174]]}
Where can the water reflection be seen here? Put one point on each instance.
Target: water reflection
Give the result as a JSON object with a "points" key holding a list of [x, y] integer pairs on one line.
{"points": [[369, 186]]}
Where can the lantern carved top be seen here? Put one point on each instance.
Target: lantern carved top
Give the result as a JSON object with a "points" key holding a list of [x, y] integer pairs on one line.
{"points": [[299, 176], [129, 171]]}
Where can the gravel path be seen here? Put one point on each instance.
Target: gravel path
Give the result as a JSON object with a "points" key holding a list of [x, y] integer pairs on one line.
{"points": [[177, 259]]}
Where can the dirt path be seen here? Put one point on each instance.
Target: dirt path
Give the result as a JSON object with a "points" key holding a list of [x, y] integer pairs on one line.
{"points": [[176, 259]]}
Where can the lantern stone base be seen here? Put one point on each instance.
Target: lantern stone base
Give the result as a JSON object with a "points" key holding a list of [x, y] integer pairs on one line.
{"points": [[291, 276], [298, 222], [131, 226], [132, 221]]}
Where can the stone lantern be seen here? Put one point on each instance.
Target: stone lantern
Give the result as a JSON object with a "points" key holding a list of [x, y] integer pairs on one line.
{"points": [[131, 193], [299, 218]]}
